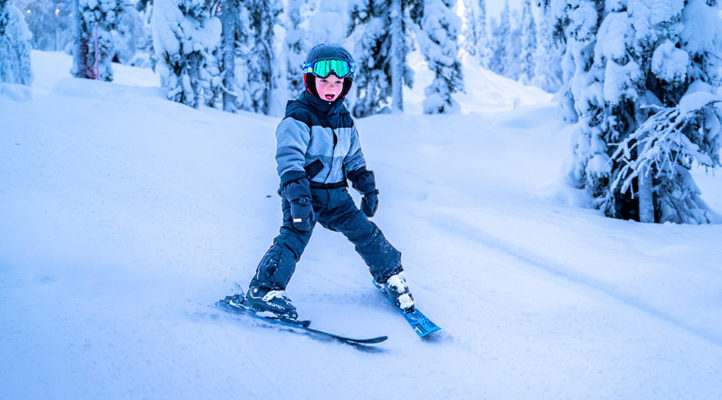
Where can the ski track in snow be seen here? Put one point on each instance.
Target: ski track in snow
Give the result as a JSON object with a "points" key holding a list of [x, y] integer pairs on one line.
{"points": [[478, 234]]}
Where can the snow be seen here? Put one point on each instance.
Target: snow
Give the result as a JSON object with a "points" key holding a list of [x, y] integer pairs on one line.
{"points": [[670, 63], [619, 81], [701, 28], [118, 236]]}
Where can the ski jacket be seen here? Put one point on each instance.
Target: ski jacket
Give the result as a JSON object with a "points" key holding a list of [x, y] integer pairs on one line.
{"points": [[317, 139]]}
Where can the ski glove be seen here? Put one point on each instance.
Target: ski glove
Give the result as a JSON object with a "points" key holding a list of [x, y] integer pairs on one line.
{"points": [[298, 194], [364, 182], [370, 203]]}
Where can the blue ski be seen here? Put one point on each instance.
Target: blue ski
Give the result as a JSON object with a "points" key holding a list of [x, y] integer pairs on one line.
{"points": [[295, 325], [422, 325]]}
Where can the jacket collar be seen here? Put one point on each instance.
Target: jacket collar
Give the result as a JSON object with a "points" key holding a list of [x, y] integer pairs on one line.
{"points": [[322, 106]]}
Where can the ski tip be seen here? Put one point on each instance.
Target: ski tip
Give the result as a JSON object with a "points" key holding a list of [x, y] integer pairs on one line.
{"points": [[370, 341], [424, 333]]}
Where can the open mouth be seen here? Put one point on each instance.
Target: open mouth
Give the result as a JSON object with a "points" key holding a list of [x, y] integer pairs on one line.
{"points": [[330, 97]]}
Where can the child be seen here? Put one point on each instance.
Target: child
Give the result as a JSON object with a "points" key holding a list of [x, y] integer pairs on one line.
{"points": [[318, 149]]}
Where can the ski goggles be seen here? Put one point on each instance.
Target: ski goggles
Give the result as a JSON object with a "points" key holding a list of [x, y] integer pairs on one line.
{"points": [[323, 68]]}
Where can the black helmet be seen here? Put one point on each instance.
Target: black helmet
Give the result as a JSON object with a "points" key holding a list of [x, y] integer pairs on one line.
{"points": [[328, 52]]}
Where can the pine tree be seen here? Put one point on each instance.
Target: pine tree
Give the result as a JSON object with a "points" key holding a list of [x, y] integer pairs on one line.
{"points": [[129, 36], [295, 47], [438, 41], [383, 29], [186, 42], [512, 67], [528, 43], [500, 34], [471, 28], [260, 61], [482, 46], [14, 46], [548, 58], [476, 40], [96, 19], [643, 89], [231, 14]]}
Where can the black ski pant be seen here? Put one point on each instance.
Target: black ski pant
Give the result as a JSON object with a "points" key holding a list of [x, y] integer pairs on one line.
{"points": [[334, 209]]}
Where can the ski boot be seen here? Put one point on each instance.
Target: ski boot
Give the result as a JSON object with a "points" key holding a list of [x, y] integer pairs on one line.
{"points": [[396, 288], [270, 303]]}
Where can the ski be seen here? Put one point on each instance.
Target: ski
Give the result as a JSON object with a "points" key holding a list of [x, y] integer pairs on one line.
{"points": [[421, 323], [295, 325]]}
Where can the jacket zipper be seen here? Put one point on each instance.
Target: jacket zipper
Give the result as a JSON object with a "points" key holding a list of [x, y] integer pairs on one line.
{"points": [[333, 153]]}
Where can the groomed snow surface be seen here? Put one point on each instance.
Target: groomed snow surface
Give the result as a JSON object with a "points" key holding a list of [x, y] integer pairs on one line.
{"points": [[126, 216]]}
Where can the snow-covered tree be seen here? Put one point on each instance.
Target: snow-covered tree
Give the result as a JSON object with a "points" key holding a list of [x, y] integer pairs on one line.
{"points": [[482, 47], [295, 47], [528, 43], [129, 36], [643, 83], [330, 22], [470, 28], [14, 46], [500, 34], [513, 67], [235, 25], [249, 66], [438, 40], [51, 23], [146, 54], [476, 39], [548, 58], [95, 20], [186, 41], [260, 58], [380, 52]]}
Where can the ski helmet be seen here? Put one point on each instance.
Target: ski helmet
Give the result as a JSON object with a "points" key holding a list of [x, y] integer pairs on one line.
{"points": [[324, 59]]}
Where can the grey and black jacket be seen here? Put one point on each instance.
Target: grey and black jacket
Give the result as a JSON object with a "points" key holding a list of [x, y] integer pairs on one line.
{"points": [[317, 139]]}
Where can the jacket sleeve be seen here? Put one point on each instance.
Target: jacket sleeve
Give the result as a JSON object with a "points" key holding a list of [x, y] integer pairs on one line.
{"points": [[354, 160], [292, 138]]}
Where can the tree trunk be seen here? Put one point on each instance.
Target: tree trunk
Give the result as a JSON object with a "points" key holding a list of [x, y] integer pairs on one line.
{"points": [[397, 57], [228, 20], [646, 199], [80, 49]]}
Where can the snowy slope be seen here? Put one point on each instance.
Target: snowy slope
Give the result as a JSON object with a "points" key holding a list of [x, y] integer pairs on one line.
{"points": [[126, 216]]}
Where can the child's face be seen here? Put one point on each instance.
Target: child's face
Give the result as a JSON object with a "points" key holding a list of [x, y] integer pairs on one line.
{"points": [[329, 88]]}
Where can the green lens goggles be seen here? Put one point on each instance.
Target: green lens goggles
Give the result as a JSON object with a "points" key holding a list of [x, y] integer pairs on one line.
{"points": [[323, 68]]}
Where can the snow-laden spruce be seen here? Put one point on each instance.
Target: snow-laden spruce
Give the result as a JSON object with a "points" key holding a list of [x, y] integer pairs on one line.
{"points": [[129, 37], [95, 20], [14, 46], [476, 37], [528, 43], [498, 45], [186, 41], [330, 23], [296, 45], [382, 45], [643, 82], [512, 62], [234, 28], [248, 54], [548, 58], [438, 40]]}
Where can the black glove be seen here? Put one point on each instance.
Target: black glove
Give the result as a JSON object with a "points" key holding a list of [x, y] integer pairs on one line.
{"points": [[298, 194], [370, 203], [364, 182]]}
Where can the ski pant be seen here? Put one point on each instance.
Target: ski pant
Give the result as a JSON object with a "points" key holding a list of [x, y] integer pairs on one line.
{"points": [[334, 209]]}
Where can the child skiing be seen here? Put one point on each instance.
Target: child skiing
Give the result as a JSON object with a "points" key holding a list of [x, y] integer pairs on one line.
{"points": [[318, 150]]}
